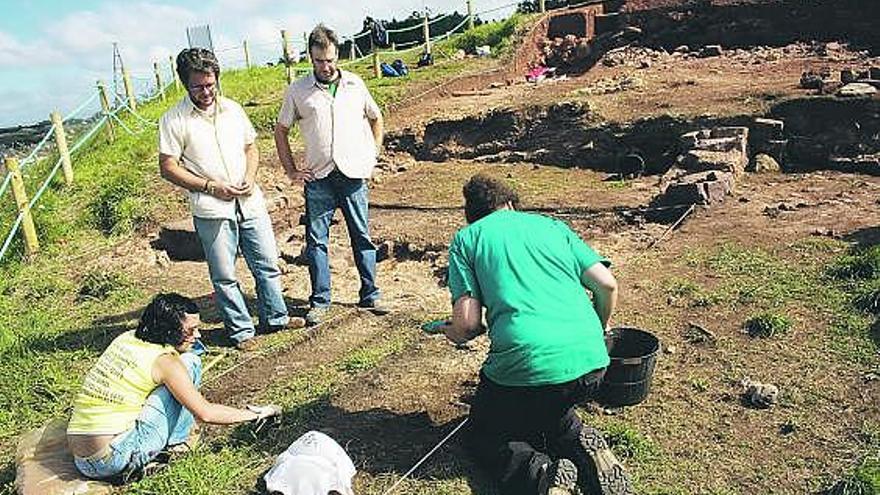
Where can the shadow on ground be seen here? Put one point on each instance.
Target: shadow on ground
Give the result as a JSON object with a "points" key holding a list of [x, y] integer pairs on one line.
{"points": [[383, 443], [98, 335]]}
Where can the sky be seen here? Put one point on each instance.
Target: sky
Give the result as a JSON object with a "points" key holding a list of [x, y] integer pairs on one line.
{"points": [[52, 52]]}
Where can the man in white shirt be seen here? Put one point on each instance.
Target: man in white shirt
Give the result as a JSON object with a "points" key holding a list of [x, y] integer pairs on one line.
{"points": [[207, 146], [342, 128]]}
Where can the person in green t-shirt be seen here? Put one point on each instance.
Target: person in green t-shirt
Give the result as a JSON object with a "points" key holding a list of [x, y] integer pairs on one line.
{"points": [[547, 350]]}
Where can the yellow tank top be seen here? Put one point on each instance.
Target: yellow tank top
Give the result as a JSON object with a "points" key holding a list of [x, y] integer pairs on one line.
{"points": [[115, 389]]}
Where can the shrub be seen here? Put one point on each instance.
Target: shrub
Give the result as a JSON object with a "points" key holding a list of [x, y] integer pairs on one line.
{"points": [[99, 284], [867, 297], [118, 207], [768, 324], [862, 264]]}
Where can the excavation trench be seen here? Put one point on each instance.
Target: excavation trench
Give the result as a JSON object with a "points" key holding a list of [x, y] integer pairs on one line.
{"points": [[820, 133]]}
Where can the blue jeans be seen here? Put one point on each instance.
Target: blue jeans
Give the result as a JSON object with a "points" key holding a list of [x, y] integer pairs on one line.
{"points": [[323, 196], [221, 240], [162, 422]]}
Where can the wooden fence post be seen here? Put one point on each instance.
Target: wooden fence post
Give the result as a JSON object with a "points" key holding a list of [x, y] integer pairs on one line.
{"points": [[470, 11], [426, 31], [105, 106], [542, 6], [376, 71], [352, 53], [285, 53], [306, 45], [159, 87], [247, 54], [174, 72], [61, 143], [129, 90], [393, 46], [31, 243]]}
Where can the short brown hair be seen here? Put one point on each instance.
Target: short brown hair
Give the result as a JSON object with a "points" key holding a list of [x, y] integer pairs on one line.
{"points": [[322, 37], [483, 195], [191, 60]]}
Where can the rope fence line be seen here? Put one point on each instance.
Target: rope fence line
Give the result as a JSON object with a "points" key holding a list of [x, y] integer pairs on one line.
{"points": [[15, 167]]}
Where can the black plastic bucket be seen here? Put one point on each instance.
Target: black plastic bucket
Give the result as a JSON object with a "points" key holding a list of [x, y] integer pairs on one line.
{"points": [[628, 378]]}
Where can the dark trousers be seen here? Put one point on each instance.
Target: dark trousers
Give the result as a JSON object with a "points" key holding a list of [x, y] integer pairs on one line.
{"points": [[514, 431]]}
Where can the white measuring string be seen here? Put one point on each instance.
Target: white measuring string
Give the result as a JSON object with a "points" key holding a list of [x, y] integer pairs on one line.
{"points": [[426, 456]]}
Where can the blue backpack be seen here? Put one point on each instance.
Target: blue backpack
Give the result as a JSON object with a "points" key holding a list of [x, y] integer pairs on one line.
{"points": [[388, 71], [400, 67]]}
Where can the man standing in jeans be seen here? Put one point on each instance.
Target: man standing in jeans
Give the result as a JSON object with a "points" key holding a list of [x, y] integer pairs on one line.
{"points": [[547, 352], [342, 128], [206, 146]]}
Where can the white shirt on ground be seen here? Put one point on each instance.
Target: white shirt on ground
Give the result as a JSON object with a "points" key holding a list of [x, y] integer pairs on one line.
{"points": [[336, 130], [210, 143]]}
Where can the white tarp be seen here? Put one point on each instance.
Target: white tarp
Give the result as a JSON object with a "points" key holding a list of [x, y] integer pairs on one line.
{"points": [[313, 465]]}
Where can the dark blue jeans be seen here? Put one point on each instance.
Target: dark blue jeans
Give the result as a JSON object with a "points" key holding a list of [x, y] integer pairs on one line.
{"points": [[323, 196]]}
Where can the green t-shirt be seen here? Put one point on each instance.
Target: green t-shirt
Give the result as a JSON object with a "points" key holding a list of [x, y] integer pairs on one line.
{"points": [[526, 270]]}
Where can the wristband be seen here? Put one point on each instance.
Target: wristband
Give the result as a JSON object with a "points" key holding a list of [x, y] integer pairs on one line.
{"points": [[205, 189]]}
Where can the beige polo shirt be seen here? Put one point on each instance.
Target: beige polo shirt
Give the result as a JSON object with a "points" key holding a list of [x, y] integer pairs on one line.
{"points": [[335, 130], [210, 144]]}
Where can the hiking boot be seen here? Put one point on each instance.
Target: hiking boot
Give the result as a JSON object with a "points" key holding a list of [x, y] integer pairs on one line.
{"points": [[316, 315], [374, 307], [560, 478], [601, 472], [293, 323], [246, 345]]}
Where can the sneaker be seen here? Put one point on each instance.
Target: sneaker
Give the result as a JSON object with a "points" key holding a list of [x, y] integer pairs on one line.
{"points": [[374, 307], [192, 440], [560, 478], [316, 315], [293, 323], [246, 345], [601, 471]]}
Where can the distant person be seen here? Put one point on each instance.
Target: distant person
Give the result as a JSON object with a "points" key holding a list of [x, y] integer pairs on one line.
{"points": [[342, 128], [141, 397], [206, 146], [547, 350]]}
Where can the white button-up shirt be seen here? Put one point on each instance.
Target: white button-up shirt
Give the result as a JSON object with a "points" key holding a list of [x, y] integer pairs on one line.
{"points": [[336, 130], [210, 143]]}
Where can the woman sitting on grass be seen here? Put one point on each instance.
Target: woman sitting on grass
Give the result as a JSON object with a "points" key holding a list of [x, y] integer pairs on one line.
{"points": [[140, 398]]}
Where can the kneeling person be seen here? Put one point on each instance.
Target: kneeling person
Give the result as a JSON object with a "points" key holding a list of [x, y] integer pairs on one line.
{"points": [[141, 398], [547, 352]]}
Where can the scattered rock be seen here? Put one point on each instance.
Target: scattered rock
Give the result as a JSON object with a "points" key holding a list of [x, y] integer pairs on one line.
{"points": [[669, 349], [682, 49], [764, 163], [825, 232], [698, 334], [759, 395], [857, 89], [162, 259], [711, 51]]}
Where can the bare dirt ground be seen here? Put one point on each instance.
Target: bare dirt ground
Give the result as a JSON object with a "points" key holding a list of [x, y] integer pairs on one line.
{"points": [[710, 443]]}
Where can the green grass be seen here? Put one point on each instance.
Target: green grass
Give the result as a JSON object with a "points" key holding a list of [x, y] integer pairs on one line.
{"points": [[768, 324]]}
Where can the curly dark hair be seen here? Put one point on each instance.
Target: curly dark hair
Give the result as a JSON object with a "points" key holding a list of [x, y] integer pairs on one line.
{"points": [[191, 60], [483, 195], [322, 37], [162, 320]]}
